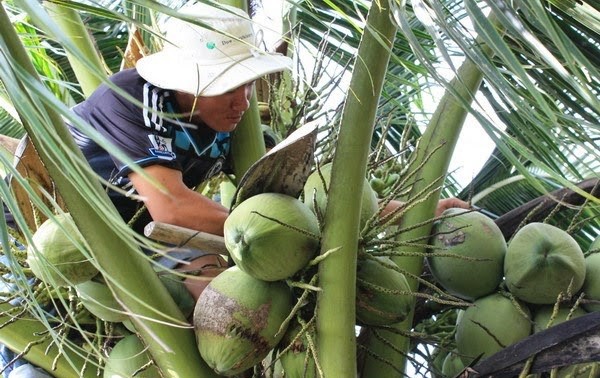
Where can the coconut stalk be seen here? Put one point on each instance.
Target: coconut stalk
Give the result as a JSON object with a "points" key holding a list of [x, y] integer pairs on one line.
{"points": [[247, 143], [25, 333], [441, 135], [131, 277], [336, 345], [90, 73]]}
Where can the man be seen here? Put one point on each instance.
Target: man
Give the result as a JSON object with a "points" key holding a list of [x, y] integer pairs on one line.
{"points": [[172, 115]]}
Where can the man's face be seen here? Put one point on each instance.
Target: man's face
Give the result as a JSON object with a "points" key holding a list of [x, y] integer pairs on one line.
{"points": [[221, 113]]}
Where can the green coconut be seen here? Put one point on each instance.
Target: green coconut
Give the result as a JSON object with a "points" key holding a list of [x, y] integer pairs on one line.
{"points": [[452, 364], [591, 284], [467, 235], [317, 186], [127, 357], [99, 300], [293, 348], [382, 293], [237, 320], [437, 362], [541, 262], [271, 236], [490, 325], [180, 294], [54, 254], [542, 318]]}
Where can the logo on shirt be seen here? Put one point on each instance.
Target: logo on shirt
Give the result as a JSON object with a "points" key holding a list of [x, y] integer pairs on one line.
{"points": [[216, 168], [161, 147]]}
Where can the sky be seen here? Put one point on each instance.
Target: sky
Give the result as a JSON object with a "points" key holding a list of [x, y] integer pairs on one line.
{"points": [[474, 145]]}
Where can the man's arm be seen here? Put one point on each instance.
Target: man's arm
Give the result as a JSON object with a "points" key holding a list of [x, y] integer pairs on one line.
{"points": [[443, 204], [174, 203]]}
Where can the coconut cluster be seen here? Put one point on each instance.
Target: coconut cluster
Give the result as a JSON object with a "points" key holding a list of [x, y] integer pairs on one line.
{"points": [[245, 313], [515, 288], [56, 253], [383, 295], [242, 315]]}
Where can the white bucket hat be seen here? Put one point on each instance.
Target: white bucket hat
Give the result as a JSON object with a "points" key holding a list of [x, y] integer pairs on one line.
{"points": [[204, 62]]}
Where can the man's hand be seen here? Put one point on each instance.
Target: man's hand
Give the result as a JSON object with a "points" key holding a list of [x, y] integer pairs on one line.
{"points": [[442, 205], [448, 203], [202, 270]]}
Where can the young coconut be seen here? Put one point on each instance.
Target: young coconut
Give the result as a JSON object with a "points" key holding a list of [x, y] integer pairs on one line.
{"points": [[542, 318], [490, 325], [591, 284], [472, 235], [382, 293], [99, 300], [317, 187], [437, 362], [541, 262], [129, 357], [180, 294], [543, 315], [237, 320], [271, 236], [294, 361], [54, 254], [452, 364]]}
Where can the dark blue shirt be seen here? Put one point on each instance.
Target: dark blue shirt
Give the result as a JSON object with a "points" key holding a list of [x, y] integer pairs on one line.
{"points": [[147, 131]]}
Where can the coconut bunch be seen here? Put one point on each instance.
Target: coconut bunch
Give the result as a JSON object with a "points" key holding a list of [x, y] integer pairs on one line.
{"points": [[383, 295], [540, 278], [244, 313]]}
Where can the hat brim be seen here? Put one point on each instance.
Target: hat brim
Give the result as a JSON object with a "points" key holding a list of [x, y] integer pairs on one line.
{"points": [[169, 71]]}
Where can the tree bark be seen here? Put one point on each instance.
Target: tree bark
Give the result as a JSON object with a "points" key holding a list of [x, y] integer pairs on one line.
{"points": [[537, 209]]}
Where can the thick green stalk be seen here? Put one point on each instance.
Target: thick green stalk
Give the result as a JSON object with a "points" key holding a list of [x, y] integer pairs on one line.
{"points": [[247, 143], [89, 73], [337, 273], [441, 134], [26, 332], [129, 275]]}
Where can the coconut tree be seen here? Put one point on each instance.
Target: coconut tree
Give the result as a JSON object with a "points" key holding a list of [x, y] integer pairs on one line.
{"points": [[152, 319], [540, 74], [510, 157]]}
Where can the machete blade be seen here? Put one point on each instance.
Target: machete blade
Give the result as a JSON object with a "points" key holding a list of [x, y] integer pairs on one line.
{"points": [[284, 169]]}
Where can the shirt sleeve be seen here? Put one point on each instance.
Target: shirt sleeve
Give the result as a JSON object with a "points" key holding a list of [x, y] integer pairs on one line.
{"points": [[137, 130]]}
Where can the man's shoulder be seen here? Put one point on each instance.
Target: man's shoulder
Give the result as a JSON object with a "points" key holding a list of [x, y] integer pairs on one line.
{"points": [[127, 77], [130, 82], [128, 102]]}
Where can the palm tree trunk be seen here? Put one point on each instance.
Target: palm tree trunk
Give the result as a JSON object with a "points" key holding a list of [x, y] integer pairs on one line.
{"points": [[247, 143], [337, 273]]}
